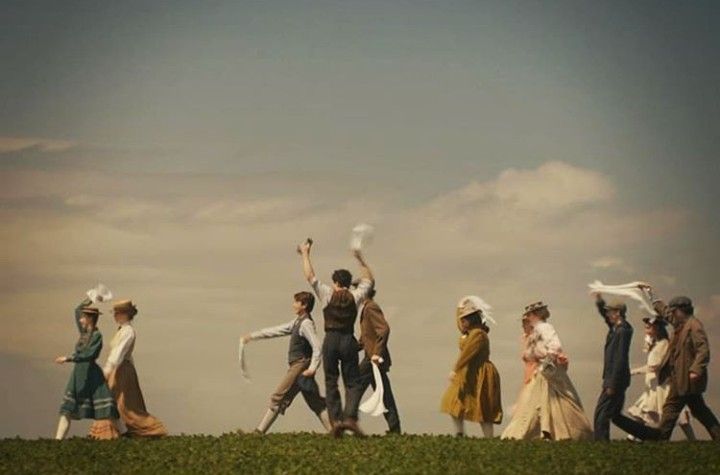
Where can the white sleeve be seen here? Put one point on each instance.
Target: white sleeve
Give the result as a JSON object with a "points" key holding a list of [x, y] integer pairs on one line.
{"points": [[656, 355], [120, 351], [273, 332], [307, 331], [322, 291], [361, 291]]}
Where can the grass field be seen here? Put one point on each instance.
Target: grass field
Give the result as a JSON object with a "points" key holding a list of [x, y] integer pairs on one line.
{"points": [[311, 453]]}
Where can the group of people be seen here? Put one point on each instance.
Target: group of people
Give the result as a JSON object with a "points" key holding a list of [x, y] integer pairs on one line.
{"points": [[341, 303], [548, 406], [110, 395]]}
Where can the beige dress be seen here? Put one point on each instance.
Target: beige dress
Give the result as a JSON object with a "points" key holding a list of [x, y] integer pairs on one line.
{"points": [[474, 392], [124, 384], [548, 405], [648, 406]]}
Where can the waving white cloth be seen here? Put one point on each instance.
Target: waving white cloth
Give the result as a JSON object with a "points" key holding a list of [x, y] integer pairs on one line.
{"points": [[362, 235], [480, 304], [241, 358], [630, 290], [374, 405], [99, 293]]}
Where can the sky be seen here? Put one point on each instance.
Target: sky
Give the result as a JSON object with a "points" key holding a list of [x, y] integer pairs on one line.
{"points": [[179, 151]]}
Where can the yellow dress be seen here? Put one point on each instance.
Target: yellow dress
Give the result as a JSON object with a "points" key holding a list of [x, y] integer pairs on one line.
{"points": [[474, 392]]}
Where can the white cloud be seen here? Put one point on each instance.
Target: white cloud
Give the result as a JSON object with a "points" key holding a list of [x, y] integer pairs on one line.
{"points": [[552, 188], [608, 262]]}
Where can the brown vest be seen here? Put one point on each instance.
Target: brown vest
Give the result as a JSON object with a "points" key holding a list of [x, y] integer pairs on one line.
{"points": [[341, 312]]}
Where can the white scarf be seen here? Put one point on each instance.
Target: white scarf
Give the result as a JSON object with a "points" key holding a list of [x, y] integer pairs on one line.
{"points": [[374, 405], [362, 235], [630, 290]]}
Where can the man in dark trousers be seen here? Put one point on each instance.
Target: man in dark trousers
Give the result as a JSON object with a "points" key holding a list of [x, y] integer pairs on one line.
{"points": [[340, 348], [684, 367], [616, 369], [374, 335]]}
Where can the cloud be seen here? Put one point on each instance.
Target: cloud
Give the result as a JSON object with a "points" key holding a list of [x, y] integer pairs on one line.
{"points": [[605, 263], [211, 257], [16, 144], [552, 188]]}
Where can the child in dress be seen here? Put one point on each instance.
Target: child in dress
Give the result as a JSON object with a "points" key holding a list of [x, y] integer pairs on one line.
{"points": [[87, 395], [648, 407], [474, 391]]}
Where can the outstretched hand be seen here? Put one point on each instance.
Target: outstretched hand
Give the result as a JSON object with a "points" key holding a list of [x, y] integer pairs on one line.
{"points": [[61, 359]]}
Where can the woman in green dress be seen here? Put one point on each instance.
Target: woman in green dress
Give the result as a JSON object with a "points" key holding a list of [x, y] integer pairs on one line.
{"points": [[87, 395]]}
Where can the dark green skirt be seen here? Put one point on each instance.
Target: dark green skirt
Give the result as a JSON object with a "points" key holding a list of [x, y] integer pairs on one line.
{"points": [[87, 395]]}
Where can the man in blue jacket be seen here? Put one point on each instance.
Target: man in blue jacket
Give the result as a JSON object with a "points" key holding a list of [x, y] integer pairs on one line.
{"points": [[616, 369]]}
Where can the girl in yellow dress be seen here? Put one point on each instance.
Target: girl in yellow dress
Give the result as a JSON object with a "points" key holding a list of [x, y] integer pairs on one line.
{"points": [[474, 391]]}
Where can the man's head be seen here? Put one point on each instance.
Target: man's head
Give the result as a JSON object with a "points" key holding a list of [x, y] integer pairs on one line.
{"points": [[616, 312], [681, 308], [342, 278], [303, 302]]}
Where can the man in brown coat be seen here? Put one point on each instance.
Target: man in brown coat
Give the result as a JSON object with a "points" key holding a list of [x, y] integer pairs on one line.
{"points": [[684, 367], [374, 334]]}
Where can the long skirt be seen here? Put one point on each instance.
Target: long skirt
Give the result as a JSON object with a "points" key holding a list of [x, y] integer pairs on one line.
{"points": [[648, 407], [549, 407], [476, 397], [125, 387], [87, 396]]}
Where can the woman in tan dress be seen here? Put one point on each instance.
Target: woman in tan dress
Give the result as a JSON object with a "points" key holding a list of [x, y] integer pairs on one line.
{"points": [[474, 391], [122, 378], [548, 406]]}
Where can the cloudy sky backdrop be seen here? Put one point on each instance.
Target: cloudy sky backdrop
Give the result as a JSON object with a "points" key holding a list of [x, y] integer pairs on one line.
{"points": [[179, 151]]}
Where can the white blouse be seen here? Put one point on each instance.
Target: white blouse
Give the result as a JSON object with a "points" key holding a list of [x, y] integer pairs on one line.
{"points": [[542, 342], [121, 347], [654, 360]]}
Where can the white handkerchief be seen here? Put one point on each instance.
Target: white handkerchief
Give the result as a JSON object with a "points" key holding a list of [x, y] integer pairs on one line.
{"points": [[99, 293], [241, 358], [374, 404], [362, 235], [629, 290]]}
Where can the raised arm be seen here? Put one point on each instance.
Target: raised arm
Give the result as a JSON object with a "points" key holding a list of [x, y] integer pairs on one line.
{"points": [[78, 312], [365, 272], [308, 270], [600, 304], [660, 307]]}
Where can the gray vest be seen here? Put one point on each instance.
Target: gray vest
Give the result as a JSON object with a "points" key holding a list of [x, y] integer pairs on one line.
{"points": [[299, 348]]}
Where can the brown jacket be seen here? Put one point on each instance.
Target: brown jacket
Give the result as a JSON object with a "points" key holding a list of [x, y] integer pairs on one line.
{"points": [[688, 351], [374, 332]]}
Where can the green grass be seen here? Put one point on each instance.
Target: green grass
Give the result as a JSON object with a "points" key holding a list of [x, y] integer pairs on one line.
{"points": [[316, 454]]}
